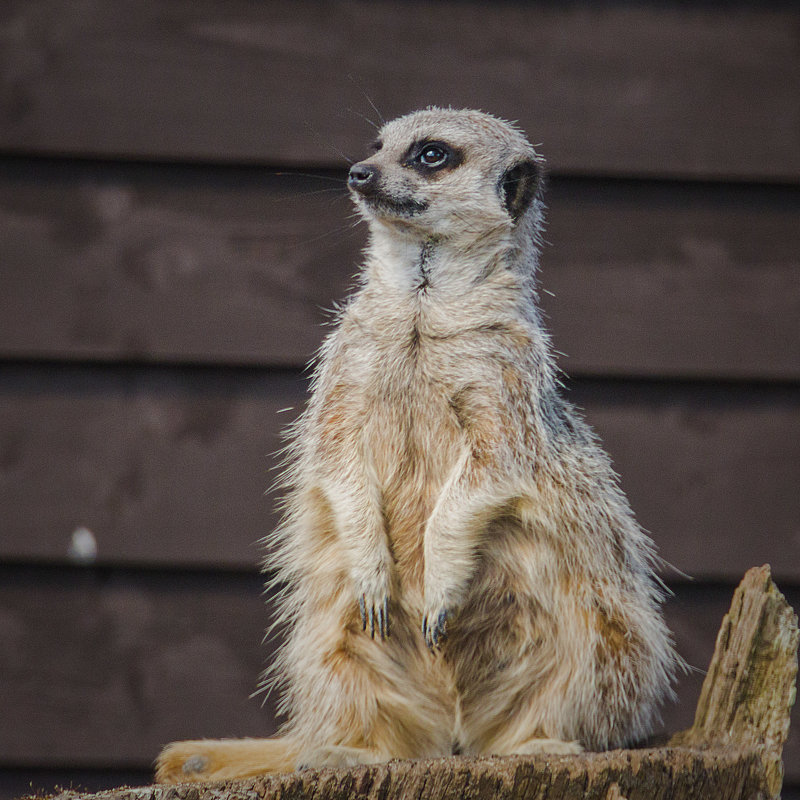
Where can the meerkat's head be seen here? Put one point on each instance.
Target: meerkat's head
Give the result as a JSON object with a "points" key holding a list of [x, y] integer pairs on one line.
{"points": [[447, 173]]}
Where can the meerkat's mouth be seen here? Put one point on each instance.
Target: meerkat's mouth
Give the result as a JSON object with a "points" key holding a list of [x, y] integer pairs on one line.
{"points": [[382, 204]]}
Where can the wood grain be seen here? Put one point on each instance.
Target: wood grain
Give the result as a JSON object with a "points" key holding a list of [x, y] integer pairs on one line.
{"points": [[153, 656], [169, 467], [690, 93], [17, 783], [236, 266], [677, 774], [751, 683]]}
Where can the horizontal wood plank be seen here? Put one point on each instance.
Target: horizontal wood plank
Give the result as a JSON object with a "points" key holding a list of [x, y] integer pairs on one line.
{"points": [[203, 265], [169, 467], [101, 669], [654, 88], [127, 661], [168, 264], [708, 470], [161, 467], [673, 280]]}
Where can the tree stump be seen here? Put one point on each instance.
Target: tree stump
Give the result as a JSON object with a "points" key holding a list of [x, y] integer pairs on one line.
{"points": [[733, 749]]}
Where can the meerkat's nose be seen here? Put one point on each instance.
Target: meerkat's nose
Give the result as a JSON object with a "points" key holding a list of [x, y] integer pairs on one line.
{"points": [[363, 177]]}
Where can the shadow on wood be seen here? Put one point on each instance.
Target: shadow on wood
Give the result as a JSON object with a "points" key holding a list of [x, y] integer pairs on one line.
{"points": [[733, 750]]}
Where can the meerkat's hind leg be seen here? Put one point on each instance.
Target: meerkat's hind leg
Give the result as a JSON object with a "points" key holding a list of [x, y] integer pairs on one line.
{"points": [[225, 759], [553, 746], [338, 756]]}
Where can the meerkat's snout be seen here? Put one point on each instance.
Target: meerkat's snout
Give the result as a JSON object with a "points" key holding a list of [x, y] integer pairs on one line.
{"points": [[363, 178]]}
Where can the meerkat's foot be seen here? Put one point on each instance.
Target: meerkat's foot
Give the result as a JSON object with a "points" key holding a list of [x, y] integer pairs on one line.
{"points": [[224, 759], [337, 756], [554, 746]]}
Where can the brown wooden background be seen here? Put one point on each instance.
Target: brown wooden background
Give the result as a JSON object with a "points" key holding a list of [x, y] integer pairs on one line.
{"points": [[173, 223]]}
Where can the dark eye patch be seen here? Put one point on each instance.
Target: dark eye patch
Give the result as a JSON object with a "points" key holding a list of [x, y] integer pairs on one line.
{"points": [[433, 156], [430, 156]]}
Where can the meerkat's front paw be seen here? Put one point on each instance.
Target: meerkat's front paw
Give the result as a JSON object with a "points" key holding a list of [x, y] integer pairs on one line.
{"points": [[434, 627], [374, 610], [373, 603], [441, 604]]}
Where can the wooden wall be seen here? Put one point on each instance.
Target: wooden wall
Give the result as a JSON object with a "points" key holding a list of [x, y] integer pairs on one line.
{"points": [[173, 223]]}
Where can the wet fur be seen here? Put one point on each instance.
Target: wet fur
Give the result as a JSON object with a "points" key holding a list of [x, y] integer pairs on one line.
{"points": [[438, 475]]}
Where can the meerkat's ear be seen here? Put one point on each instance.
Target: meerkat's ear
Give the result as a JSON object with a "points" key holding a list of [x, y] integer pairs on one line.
{"points": [[519, 185]]}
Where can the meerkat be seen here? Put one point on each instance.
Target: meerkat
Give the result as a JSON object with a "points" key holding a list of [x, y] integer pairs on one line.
{"points": [[462, 572]]}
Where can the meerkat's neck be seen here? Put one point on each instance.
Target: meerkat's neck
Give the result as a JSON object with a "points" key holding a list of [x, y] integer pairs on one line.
{"points": [[409, 265]]}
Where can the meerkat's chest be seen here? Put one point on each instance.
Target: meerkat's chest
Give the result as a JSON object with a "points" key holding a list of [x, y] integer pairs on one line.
{"points": [[413, 439], [411, 428]]}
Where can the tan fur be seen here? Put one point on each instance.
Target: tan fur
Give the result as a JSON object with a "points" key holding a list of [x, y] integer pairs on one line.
{"points": [[438, 474]]}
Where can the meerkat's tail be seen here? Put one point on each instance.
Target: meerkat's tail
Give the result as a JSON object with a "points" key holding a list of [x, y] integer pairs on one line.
{"points": [[225, 759]]}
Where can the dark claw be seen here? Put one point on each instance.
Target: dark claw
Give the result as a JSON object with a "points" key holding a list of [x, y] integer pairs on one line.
{"points": [[440, 631], [362, 607], [378, 617], [383, 619], [436, 633]]}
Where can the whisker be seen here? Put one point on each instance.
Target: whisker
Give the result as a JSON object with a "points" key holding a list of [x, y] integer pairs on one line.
{"points": [[311, 175], [345, 230], [360, 88], [364, 117], [330, 190], [310, 128]]}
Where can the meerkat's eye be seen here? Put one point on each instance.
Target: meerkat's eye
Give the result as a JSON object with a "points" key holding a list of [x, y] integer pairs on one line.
{"points": [[433, 155], [429, 157]]}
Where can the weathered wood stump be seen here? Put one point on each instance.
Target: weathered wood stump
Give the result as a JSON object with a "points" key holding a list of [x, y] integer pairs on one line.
{"points": [[733, 750]]}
